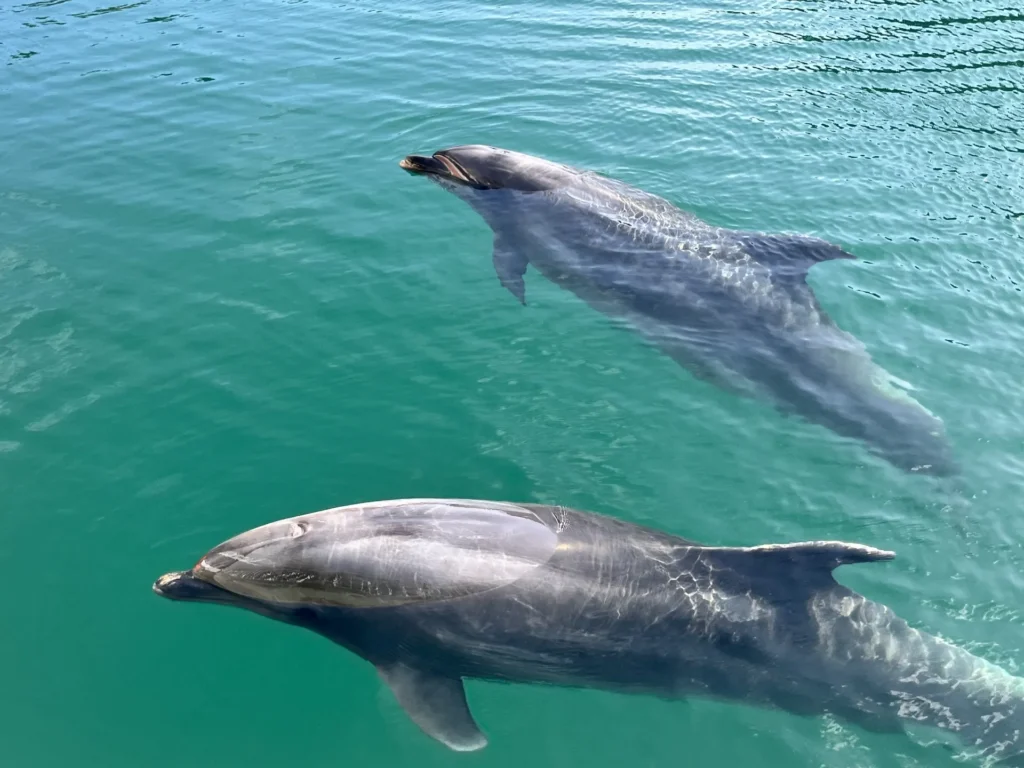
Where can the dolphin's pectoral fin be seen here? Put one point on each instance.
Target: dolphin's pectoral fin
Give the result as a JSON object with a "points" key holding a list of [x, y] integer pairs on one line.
{"points": [[436, 704], [510, 265], [791, 254]]}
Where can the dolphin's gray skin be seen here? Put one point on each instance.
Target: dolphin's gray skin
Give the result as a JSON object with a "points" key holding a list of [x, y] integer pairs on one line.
{"points": [[431, 591], [731, 306]]}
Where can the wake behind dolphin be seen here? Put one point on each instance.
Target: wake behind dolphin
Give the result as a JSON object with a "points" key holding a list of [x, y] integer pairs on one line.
{"points": [[733, 307], [432, 591]]}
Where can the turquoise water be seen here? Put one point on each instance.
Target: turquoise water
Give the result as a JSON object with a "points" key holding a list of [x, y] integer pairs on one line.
{"points": [[222, 302]]}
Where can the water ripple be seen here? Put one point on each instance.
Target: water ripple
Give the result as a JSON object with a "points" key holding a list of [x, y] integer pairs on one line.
{"points": [[221, 300]]}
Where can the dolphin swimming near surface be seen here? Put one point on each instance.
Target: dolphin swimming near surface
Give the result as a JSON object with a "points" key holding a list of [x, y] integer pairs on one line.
{"points": [[733, 307], [433, 591]]}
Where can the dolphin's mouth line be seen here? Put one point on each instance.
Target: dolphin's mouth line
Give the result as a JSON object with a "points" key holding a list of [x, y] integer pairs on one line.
{"points": [[440, 165], [186, 586]]}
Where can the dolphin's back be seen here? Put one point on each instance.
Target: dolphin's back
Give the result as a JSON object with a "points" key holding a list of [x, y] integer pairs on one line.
{"points": [[666, 263], [626, 607]]}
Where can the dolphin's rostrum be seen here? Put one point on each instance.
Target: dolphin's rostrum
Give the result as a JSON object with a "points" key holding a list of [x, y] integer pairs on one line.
{"points": [[432, 591], [733, 307]]}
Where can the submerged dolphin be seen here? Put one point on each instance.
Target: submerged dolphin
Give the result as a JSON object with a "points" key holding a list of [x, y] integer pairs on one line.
{"points": [[431, 591], [731, 306]]}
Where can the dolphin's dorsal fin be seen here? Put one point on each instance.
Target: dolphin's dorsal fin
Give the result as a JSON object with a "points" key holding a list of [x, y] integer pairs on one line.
{"points": [[825, 555], [805, 563], [437, 704], [789, 575], [790, 254], [808, 565], [510, 264]]}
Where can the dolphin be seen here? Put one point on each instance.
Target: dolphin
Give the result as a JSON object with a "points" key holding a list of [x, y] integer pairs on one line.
{"points": [[733, 307], [434, 591]]}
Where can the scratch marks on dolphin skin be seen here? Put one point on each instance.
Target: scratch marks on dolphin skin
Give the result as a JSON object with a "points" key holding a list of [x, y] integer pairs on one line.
{"points": [[561, 519], [334, 551]]}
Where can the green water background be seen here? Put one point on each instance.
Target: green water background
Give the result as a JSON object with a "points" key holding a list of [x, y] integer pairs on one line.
{"points": [[221, 303]]}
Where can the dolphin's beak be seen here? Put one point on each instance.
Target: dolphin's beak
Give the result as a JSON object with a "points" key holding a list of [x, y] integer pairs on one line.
{"points": [[438, 164], [183, 585], [420, 164]]}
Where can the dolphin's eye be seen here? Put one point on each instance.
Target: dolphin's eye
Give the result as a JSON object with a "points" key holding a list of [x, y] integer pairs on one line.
{"points": [[297, 529]]}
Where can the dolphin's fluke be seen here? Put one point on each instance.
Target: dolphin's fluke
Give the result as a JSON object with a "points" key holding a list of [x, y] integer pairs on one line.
{"points": [[436, 704]]}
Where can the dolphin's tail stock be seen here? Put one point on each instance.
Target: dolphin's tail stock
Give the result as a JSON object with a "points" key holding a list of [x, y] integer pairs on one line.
{"points": [[981, 704], [924, 680], [856, 397]]}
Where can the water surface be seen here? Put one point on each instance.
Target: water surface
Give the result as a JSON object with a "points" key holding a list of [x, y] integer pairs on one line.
{"points": [[222, 302]]}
